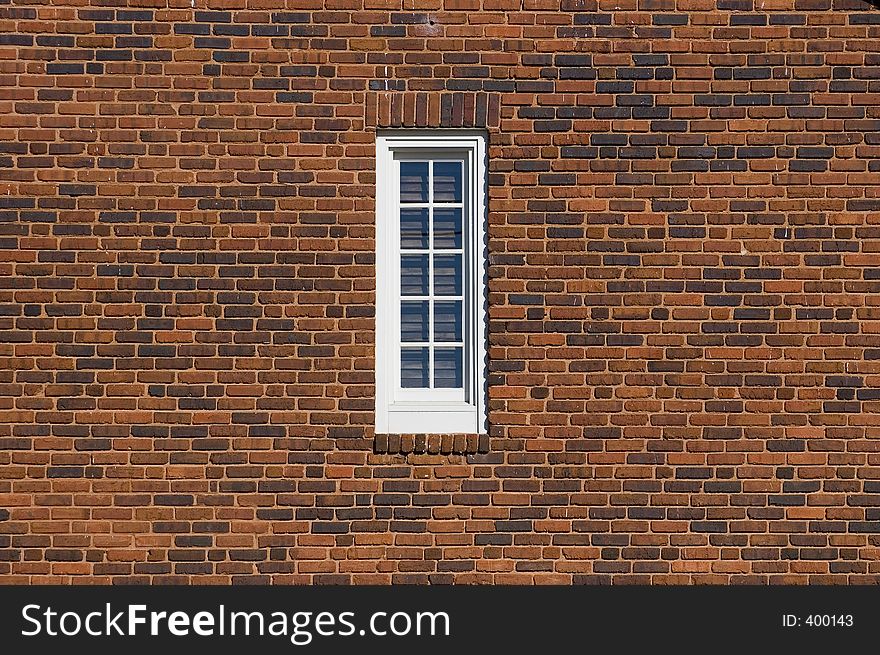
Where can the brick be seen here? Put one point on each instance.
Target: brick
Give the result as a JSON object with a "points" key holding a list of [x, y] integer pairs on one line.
{"points": [[682, 241]]}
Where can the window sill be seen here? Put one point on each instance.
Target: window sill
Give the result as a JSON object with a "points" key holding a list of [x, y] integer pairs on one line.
{"points": [[431, 444]]}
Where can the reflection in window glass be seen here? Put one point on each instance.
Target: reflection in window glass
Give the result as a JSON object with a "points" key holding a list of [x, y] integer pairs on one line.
{"points": [[447, 368], [414, 368], [447, 181], [414, 320], [414, 275], [447, 320], [447, 227], [414, 228], [413, 181], [447, 275]]}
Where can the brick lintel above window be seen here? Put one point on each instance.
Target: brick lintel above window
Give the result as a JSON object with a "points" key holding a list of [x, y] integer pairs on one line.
{"points": [[425, 109]]}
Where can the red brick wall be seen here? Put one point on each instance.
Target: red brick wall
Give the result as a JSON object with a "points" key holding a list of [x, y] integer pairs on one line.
{"points": [[684, 222]]}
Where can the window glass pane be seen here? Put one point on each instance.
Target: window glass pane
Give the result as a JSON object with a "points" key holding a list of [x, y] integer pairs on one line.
{"points": [[414, 368], [447, 275], [414, 228], [448, 372], [447, 181], [447, 227], [414, 275], [414, 320], [447, 320], [413, 181]]}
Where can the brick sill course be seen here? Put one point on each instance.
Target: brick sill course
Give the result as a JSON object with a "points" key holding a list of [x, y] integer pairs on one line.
{"points": [[431, 444]]}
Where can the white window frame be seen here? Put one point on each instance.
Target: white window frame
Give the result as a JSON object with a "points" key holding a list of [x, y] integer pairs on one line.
{"points": [[430, 411]]}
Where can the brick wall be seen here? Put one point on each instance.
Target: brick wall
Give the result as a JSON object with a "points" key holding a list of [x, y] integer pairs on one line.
{"points": [[684, 312]]}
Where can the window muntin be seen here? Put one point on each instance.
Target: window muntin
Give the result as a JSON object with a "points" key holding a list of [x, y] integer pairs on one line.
{"points": [[431, 274], [430, 350]]}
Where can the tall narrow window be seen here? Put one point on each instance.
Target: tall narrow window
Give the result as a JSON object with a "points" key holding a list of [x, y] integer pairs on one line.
{"points": [[430, 270]]}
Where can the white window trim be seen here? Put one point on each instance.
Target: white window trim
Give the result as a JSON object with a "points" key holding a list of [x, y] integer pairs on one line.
{"points": [[430, 411]]}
